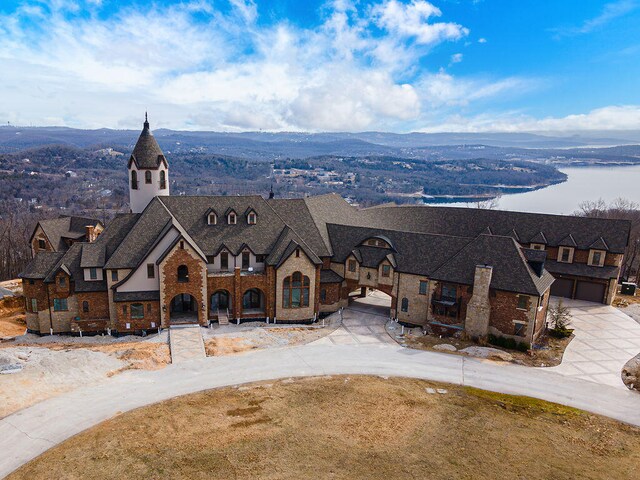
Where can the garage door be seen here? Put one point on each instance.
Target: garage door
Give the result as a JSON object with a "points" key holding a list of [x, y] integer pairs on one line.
{"points": [[591, 292], [562, 287]]}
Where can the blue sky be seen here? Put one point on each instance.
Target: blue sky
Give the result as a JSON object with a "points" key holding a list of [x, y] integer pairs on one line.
{"points": [[342, 65]]}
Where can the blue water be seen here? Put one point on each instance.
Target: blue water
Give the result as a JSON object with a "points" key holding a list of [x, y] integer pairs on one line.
{"points": [[583, 184]]}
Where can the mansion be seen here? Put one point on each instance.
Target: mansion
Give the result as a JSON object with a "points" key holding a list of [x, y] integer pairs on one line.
{"points": [[203, 259]]}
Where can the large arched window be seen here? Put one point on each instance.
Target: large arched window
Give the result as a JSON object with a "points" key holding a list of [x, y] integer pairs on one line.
{"points": [[147, 177], [183, 274], [405, 304], [134, 180], [163, 180], [295, 292]]}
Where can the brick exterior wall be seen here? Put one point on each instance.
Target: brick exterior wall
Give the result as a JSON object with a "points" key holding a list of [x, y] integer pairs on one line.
{"points": [[35, 248], [98, 303], [126, 324], [196, 286], [331, 302]]}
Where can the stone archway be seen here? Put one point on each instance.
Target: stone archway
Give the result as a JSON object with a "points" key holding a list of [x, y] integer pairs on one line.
{"points": [[220, 300], [183, 309]]}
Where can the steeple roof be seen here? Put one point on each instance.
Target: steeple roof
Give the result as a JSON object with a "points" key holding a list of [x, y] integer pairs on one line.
{"points": [[147, 153]]}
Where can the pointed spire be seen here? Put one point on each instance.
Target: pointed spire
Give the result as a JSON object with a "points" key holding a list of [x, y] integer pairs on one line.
{"points": [[146, 121]]}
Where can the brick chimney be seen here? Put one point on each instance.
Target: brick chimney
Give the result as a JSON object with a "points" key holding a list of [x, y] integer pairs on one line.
{"points": [[90, 233], [479, 307]]}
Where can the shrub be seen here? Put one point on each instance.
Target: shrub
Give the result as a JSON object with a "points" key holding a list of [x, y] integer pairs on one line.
{"points": [[560, 317], [507, 342]]}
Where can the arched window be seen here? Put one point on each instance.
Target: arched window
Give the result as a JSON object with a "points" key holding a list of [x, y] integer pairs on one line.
{"points": [[134, 180], [231, 219], [252, 299], [252, 218], [147, 177], [85, 306], [405, 304], [163, 180], [295, 291], [212, 219], [183, 274]]}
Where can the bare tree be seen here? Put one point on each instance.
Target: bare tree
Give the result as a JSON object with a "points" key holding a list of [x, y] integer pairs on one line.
{"points": [[622, 209], [489, 203]]}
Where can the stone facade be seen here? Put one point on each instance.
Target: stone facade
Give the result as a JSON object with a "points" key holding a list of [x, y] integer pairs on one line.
{"points": [[479, 307], [297, 262], [183, 254]]}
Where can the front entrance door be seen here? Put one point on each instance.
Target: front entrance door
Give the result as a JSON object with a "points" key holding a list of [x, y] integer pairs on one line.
{"points": [[184, 309]]}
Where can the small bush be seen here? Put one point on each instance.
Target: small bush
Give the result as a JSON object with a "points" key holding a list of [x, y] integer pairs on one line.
{"points": [[508, 343]]}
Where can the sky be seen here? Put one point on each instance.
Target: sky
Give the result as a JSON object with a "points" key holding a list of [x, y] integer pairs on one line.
{"points": [[335, 65]]}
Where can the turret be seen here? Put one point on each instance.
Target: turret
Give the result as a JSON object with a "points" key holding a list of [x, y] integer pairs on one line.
{"points": [[148, 171]]}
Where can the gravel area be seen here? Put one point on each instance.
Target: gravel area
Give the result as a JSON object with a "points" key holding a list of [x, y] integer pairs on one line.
{"points": [[44, 373], [633, 310], [231, 339]]}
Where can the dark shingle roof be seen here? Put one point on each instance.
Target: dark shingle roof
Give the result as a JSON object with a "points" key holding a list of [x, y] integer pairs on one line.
{"points": [[190, 212], [511, 272], [57, 229], [136, 296], [582, 270], [296, 214], [470, 222], [287, 242], [141, 236], [147, 153], [416, 253], [70, 263], [95, 254], [329, 276], [40, 266], [332, 208]]}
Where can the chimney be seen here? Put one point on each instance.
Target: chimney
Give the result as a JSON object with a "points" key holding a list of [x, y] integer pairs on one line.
{"points": [[479, 308], [90, 233]]}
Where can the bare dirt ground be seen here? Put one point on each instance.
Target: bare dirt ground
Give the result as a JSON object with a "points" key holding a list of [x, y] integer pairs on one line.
{"points": [[548, 353], [233, 339], [347, 428], [52, 365], [12, 317]]}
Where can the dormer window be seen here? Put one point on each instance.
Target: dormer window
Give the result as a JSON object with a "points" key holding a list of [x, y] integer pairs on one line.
{"points": [[565, 254], [252, 218], [232, 218], [212, 219], [596, 258], [147, 177], [536, 246]]}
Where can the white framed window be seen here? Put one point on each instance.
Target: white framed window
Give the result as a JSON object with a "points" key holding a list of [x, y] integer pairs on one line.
{"points": [[519, 328], [596, 258], [565, 254], [232, 218], [252, 218], [523, 302], [212, 219]]}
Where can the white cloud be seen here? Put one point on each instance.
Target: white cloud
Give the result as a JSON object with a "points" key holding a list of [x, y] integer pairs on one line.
{"points": [[610, 12], [412, 20], [442, 89], [482, 40], [624, 117], [456, 58], [194, 67]]}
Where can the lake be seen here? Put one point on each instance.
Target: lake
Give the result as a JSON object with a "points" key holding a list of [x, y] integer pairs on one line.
{"points": [[583, 183]]}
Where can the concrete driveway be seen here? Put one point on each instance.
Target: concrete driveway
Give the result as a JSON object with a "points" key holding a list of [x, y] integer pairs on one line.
{"points": [[605, 339], [363, 322], [26, 434]]}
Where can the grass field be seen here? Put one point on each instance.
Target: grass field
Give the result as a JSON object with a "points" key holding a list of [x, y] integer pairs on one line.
{"points": [[347, 427]]}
